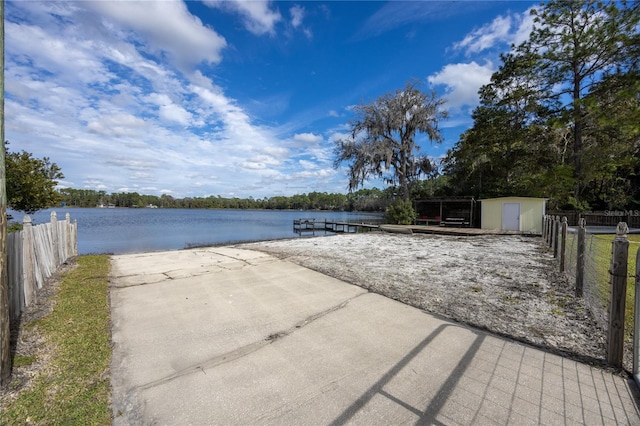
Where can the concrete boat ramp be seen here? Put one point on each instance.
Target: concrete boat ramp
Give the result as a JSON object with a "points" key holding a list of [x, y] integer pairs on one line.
{"points": [[228, 336]]}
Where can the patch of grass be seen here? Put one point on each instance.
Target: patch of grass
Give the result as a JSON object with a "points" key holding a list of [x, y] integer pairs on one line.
{"points": [[600, 254], [476, 288], [74, 389], [23, 360]]}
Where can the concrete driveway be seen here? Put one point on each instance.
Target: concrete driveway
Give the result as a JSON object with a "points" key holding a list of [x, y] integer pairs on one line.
{"points": [[228, 336]]}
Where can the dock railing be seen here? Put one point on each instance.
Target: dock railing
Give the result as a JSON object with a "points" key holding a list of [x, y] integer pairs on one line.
{"points": [[312, 225], [34, 254]]}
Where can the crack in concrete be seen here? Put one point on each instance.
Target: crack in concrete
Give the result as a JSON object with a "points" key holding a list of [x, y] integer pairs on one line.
{"points": [[220, 267], [245, 261], [247, 349]]}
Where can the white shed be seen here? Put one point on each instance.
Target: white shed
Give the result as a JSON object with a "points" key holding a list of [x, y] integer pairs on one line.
{"points": [[524, 214]]}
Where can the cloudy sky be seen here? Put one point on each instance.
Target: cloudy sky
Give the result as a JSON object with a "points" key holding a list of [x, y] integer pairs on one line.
{"points": [[232, 97]]}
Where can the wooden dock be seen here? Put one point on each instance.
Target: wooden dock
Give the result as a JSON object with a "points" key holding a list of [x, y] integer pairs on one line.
{"points": [[311, 226], [448, 230]]}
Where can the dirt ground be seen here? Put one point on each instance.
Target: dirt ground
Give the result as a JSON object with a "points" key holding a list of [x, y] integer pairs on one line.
{"points": [[508, 285]]}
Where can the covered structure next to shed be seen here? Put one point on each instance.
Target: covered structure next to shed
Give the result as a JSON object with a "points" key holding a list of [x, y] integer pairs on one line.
{"points": [[523, 214], [447, 211]]}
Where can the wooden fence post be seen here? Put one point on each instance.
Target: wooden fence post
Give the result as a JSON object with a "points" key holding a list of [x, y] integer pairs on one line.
{"points": [[636, 324], [28, 263], [55, 239], [556, 235], [74, 237], [619, 261], [563, 244], [544, 228], [550, 231], [582, 233], [68, 249]]}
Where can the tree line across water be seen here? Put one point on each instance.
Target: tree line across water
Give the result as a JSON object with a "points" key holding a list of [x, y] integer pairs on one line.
{"points": [[373, 200]]}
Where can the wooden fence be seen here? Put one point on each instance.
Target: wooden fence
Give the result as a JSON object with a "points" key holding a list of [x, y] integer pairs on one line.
{"points": [[33, 255], [600, 218], [555, 234]]}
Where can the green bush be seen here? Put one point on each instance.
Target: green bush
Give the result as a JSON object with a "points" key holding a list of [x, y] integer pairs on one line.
{"points": [[400, 212], [14, 226]]}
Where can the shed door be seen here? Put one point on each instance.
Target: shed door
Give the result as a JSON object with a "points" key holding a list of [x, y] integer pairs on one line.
{"points": [[511, 216]]}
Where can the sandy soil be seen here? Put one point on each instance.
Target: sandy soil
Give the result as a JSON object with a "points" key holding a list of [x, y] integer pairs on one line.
{"points": [[508, 285]]}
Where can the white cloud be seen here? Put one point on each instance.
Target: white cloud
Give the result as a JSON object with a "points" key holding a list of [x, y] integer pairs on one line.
{"points": [[297, 15], [487, 36], [55, 53], [259, 19], [260, 162], [95, 101], [307, 138], [307, 165], [175, 113], [167, 27], [462, 82], [395, 14], [276, 151], [252, 165], [168, 111], [132, 164], [336, 136], [524, 27], [236, 126], [117, 125], [502, 31], [317, 176]]}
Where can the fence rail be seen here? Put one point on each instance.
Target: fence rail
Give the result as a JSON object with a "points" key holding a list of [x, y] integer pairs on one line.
{"points": [[33, 255]]}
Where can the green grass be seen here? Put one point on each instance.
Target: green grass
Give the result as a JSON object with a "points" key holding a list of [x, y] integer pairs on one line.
{"points": [[24, 360], [74, 389], [601, 254]]}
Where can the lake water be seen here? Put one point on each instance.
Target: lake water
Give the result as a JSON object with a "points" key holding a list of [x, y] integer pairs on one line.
{"points": [[122, 230]]}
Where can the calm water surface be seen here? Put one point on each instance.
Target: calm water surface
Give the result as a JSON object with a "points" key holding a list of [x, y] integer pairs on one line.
{"points": [[122, 231]]}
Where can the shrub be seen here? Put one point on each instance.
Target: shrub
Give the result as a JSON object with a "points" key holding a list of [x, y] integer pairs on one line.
{"points": [[400, 212], [14, 226]]}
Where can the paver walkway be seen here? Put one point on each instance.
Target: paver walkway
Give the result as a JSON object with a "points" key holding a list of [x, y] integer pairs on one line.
{"points": [[230, 336]]}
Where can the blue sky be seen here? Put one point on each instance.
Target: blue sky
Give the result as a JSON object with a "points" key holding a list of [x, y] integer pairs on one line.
{"points": [[233, 98]]}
